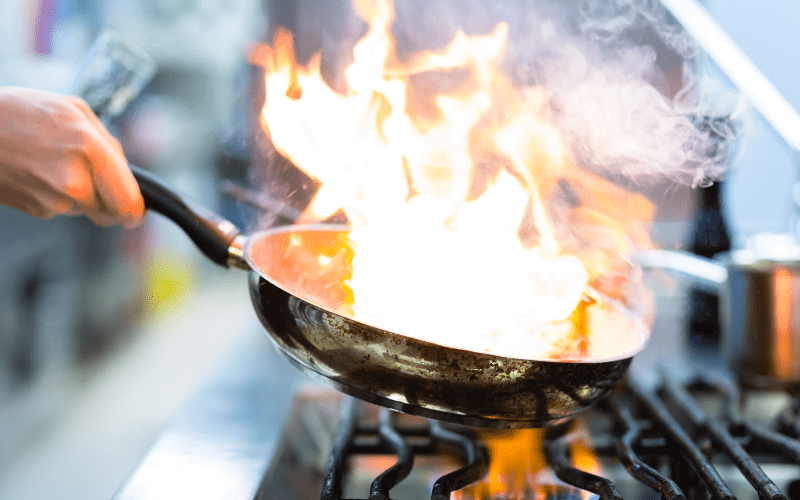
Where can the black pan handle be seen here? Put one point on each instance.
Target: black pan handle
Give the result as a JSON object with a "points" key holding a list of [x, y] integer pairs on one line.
{"points": [[212, 234]]}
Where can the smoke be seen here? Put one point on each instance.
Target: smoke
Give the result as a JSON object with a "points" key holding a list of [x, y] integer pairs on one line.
{"points": [[616, 124], [623, 80], [608, 21]]}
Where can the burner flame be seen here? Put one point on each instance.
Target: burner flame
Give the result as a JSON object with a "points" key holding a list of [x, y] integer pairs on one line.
{"points": [[518, 469]]}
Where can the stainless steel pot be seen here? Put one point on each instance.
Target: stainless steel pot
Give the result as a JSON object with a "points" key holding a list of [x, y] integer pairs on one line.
{"points": [[759, 309]]}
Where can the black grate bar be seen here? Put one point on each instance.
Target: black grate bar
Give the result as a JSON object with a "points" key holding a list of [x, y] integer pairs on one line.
{"points": [[788, 421], [759, 439], [333, 483], [767, 490], [750, 469], [476, 468], [633, 464], [702, 467], [405, 458], [555, 450], [368, 441], [774, 443]]}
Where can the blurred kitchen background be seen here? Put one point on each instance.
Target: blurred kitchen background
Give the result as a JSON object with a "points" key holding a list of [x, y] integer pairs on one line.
{"points": [[105, 333]]}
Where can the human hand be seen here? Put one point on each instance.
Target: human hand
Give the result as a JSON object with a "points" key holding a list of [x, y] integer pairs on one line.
{"points": [[56, 157]]}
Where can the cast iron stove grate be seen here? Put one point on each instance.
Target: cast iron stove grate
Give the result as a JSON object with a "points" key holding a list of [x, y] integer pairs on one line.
{"points": [[675, 441]]}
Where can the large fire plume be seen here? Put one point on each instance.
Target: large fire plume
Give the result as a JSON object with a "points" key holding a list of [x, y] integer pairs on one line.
{"points": [[473, 222]]}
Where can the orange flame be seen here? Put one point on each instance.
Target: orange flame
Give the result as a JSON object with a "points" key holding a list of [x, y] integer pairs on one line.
{"points": [[471, 224], [518, 469]]}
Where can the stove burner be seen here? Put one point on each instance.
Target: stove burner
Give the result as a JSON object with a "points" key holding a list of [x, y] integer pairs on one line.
{"points": [[677, 441]]}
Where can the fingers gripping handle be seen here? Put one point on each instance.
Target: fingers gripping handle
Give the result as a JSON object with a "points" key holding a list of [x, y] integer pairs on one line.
{"points": [[212, 234]]}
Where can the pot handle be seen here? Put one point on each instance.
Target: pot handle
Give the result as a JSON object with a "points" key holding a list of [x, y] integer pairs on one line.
{"points": [[703, 272], [214, 236]]}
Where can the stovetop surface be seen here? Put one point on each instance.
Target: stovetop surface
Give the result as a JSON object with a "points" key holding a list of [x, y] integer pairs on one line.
{"points": [[301, 468], [222, 440]]}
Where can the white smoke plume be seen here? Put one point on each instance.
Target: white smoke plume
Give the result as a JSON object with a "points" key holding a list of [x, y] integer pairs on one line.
{"points": [[622, 78]]}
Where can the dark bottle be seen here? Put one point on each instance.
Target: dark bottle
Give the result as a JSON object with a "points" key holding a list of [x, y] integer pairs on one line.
{"points": [[709, 237]]}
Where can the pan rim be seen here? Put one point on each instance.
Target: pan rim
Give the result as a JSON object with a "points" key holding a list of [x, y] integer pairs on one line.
{"points": [[257, 236]]}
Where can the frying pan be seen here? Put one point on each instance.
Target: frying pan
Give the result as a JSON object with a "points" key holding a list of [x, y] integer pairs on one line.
{"points": [[289, 268]]}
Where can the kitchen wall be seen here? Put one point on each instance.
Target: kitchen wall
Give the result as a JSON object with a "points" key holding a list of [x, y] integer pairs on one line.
{"points": [[761, 184]]}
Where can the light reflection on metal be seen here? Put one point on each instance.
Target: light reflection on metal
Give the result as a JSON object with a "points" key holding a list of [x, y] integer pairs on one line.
{"points": [[236, 253], [785, 325], [702, 272]]}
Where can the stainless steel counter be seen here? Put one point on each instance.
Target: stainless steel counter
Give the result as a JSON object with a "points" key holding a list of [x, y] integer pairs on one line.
{"points": [[220, 443]]}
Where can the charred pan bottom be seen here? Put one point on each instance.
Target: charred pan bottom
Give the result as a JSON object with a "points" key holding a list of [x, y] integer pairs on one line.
{"points": [[427, 379]]}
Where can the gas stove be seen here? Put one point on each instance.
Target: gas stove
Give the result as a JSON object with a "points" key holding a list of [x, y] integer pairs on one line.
{"points": [[678, 428], [335, 447]]}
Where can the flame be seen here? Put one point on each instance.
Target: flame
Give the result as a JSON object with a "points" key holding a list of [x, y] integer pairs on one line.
{"points": [[518, 468], [584, 458], [515, 457], [471, 223]]}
